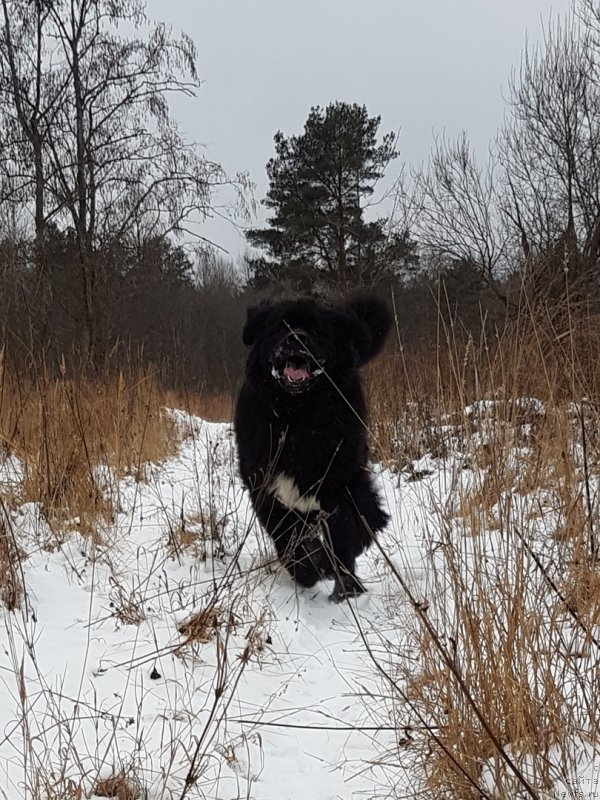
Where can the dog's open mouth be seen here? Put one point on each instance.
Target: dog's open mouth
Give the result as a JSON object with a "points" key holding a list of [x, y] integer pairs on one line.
{"points": [[296, 369], [295, 372]]}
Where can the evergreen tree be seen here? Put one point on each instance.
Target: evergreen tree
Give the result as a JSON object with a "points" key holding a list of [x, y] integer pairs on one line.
{"points": [[320, 184]]}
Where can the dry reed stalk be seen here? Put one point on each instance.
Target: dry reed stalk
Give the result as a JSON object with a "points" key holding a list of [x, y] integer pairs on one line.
{"points": [[515, 625], [63, 429]]}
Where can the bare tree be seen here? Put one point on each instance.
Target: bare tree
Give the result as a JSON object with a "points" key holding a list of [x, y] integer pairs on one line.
{"points": [[536, 204], [452, 206], [550, 146], [112, 162], [29, 98]]}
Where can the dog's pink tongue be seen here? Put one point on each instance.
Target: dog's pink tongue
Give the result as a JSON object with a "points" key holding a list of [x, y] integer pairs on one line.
{"points": [[293, 374]]}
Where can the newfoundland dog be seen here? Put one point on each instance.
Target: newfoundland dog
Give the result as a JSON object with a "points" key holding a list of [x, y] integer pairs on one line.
{"points": [[301, 434]]}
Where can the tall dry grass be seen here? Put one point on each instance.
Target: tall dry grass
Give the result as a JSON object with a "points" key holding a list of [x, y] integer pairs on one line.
{"points": [[507, 668], [66, 429], [508, 639]]}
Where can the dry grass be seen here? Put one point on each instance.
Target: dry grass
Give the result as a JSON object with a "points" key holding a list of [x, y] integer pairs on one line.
{"points": [[11, 556], [507, 654], [496, 678], [204, 624], [197, 535], [211, 407], [119, 787], [414, 393], [62, 429], [73, 438]]}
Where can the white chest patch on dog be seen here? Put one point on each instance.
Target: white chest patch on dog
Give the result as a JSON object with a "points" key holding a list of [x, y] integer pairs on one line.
{"points": [[285, 490]]}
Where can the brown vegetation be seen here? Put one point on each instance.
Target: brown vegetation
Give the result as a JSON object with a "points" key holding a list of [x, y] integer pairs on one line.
{"points": [[64, 429]]}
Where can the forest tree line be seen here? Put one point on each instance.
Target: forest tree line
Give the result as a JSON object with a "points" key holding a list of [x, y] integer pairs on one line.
{"points": [[102, 255]]}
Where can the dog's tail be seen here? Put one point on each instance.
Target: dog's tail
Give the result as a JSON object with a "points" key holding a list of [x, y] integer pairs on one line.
{"points": [[376, 318]]}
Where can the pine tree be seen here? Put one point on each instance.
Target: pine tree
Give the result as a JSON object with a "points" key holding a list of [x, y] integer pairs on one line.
{"points": [[320, 184]]}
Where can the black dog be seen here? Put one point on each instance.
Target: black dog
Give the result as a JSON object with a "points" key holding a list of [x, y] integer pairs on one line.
{"points": [[301, 435]]}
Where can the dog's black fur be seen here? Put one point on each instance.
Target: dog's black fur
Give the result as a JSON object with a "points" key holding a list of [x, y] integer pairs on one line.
{"points": [[301, 435]]}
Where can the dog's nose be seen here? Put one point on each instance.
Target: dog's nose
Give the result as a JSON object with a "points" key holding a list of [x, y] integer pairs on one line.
{"points": [[297, 337]]}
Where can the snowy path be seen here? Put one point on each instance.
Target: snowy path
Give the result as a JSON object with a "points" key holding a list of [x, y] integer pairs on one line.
{"points": [[107, 685]]}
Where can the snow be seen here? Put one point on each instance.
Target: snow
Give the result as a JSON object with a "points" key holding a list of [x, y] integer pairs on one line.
{"points": [[529, 406], [11, 472], [285, 696]]}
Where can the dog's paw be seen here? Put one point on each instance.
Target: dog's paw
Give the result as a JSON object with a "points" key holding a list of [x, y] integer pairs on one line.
{"points": [[307, 565], [346, 586]]}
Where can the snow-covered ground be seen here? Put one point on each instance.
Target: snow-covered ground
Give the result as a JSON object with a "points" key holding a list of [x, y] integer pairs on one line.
{"points": [[278, 694]]}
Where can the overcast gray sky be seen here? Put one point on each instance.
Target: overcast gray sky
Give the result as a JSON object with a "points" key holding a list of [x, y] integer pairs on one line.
{"points": [[427, 67]]}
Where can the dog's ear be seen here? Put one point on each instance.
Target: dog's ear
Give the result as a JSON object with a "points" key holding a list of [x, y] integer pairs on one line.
{"points": [[372, 322], [256, 317]]}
